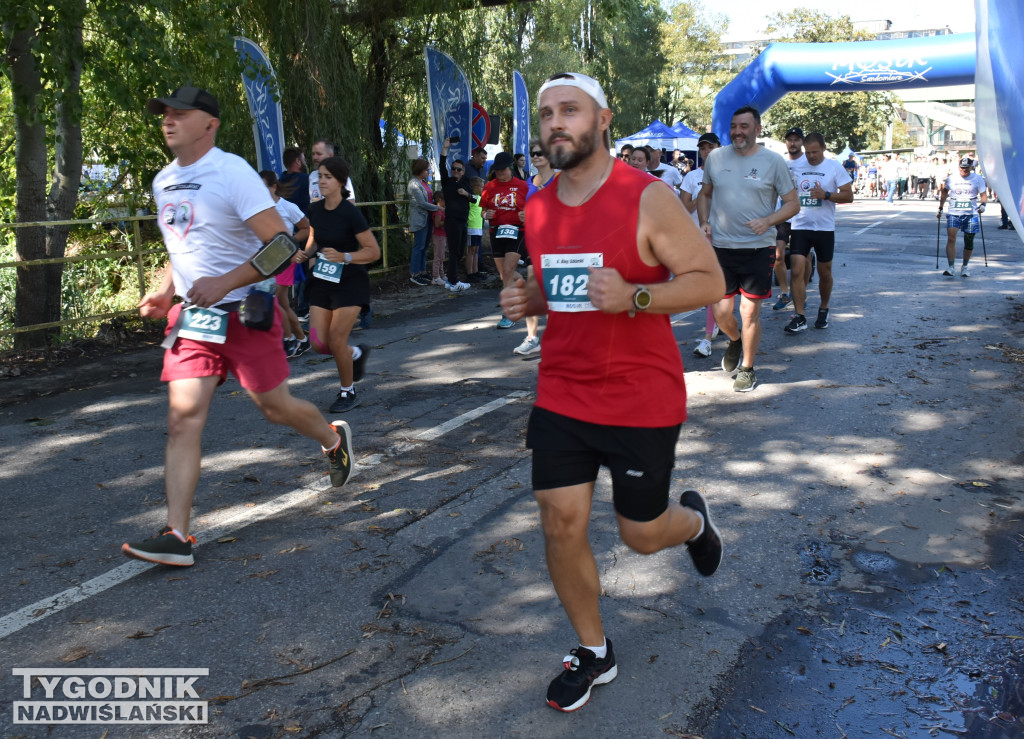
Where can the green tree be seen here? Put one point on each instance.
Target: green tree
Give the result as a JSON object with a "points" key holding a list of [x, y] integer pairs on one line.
{"points": [[843, 118], [694, 70], [66, 52]]}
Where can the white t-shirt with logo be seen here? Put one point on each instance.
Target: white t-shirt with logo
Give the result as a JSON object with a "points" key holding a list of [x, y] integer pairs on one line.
{"points": [[818, 214], [314, 187], [963, 193], [202, 210], [692, 183]]}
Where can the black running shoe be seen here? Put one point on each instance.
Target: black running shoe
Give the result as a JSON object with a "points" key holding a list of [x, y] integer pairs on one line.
{"points": [[301, 348], [345, 401], [571, 689], [340, 458], [706, 549], [796, 324], [164, 549], [733, 353], [822, 321], [359, 365]]}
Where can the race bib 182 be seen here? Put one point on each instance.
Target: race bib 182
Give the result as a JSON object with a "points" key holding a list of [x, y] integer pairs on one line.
{"points": [[565, 280]]}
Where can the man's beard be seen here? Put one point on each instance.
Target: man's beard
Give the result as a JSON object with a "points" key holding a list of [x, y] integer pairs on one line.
{"points": [[564, 159]]}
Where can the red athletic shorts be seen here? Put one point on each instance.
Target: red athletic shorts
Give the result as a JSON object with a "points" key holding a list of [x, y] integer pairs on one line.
{"points": [[256, 358]]}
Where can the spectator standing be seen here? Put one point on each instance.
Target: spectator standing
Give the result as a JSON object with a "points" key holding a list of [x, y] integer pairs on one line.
{"points": [[519, 169], [457, 194], [420, 209], [475, 232], [439, 240], [294, 182], [477, 164]]}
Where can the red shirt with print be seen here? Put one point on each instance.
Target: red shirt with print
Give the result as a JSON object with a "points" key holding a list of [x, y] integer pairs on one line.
{"points": [[506, 199]]}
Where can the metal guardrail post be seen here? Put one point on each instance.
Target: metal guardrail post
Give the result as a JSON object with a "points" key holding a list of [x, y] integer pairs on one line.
{"points": [[384, 237], [137, 235]]}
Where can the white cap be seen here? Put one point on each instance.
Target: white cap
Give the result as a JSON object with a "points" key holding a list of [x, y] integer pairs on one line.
{"points": [[574, 79]]}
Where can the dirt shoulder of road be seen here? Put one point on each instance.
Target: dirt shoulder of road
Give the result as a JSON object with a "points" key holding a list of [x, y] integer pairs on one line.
{"points": [[127, 347]]}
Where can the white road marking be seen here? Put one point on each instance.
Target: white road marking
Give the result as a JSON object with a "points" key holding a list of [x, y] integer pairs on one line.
{"points": [[877, 223], [224, 522]]}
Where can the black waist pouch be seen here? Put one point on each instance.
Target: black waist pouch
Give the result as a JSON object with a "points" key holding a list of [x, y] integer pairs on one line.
{"points": [[257, 310]]}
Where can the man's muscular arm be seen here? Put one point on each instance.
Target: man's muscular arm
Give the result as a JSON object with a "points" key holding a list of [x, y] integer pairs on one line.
{"points": [[665, 235], [207, 291]]}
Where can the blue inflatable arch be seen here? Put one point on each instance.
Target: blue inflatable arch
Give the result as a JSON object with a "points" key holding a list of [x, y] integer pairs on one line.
{"points": [[850, 66]]}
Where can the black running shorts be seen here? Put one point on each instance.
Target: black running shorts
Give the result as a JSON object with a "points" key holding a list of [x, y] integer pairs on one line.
{"points": [[823, 243], [569, 452], [783, 231], [501, 247], [747, 271]]}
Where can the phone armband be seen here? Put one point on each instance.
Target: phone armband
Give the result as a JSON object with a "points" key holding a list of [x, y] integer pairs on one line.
{"points": [[275, 256]]}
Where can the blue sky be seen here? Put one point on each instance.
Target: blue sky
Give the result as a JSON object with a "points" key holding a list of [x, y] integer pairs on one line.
{"points": [[747, 17]]}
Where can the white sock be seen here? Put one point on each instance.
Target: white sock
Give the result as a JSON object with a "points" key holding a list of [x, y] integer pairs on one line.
{"points": [[356, 353], [336, 445], [600, 652], [178, 534], [701, 525], [348, 389]]}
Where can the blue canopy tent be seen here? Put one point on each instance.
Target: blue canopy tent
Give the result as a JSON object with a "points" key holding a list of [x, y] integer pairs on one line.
{"points": [[658, 135], [687, 134]]}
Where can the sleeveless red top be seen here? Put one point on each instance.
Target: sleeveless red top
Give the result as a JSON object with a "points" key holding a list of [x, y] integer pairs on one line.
{"points": [[597, 367]]}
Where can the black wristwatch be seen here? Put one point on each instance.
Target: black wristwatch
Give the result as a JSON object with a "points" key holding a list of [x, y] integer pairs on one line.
{"points": [[828, 196], [641, 300]]}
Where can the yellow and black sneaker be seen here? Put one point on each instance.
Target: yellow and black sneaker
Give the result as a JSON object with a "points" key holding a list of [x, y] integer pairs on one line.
{"points": [[164, 549], [340, 458]]}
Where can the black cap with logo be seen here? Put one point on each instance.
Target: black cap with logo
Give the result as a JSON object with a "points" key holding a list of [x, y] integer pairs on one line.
{"points": [[710, 138], [795, 131], [185, 98]]}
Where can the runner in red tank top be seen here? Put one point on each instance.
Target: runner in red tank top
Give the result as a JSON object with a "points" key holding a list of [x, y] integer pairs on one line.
{"points": [[604, 240]]}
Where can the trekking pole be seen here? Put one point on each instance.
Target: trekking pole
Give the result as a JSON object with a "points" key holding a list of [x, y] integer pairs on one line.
{"points": [[984, 251], [938, 228]]}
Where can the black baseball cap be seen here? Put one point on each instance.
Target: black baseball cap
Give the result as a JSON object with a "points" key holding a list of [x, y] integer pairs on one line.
{"points": [[502, 161], [795, 131], [185, 98], [966, 163], [709, 137]]}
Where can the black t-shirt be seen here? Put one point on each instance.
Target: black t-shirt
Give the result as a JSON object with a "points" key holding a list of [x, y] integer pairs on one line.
{"points": [[337, 229]]}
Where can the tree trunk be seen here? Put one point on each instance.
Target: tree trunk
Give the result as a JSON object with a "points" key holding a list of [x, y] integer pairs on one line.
{"points": [[67, 171], [38, 288], [31, 305]]}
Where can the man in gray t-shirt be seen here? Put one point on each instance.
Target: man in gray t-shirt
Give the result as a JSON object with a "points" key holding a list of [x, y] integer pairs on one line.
{"points": [[736, 209]]}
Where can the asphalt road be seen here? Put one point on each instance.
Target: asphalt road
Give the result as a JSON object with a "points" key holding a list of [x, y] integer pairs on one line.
{"points": [[415, 601]]}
